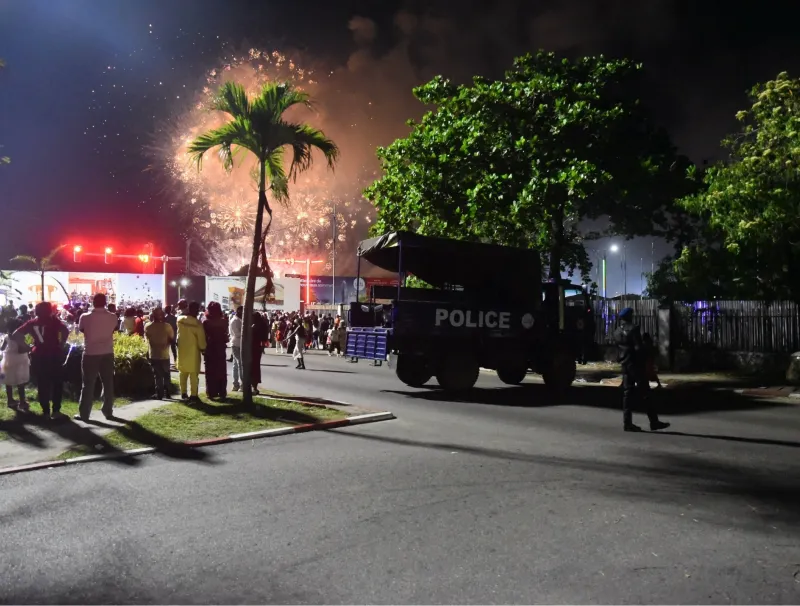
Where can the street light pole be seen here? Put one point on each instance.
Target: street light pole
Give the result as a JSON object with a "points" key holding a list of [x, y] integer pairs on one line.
{"points": [[333, 263], [188, 252]]}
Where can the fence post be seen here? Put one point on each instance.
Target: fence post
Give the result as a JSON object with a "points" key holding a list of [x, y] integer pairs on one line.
{"points": [[665, 347]]}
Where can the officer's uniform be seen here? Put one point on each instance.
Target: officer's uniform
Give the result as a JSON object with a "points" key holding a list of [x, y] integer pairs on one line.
{"points": [[635, 387]]}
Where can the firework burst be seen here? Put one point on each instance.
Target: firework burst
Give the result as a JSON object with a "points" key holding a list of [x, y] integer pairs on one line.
{"points": [[221, 206]]}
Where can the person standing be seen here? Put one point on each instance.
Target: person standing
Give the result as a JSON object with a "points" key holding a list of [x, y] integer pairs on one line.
{"points": [[170, 319], [235, 329], [160, 336], [98, 327], [49, 336], [191, 344], [628, 338], [216, 329], [299, 333], [260, 335], [15, 368]]}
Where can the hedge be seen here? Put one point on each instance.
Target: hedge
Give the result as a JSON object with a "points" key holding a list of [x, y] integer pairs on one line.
{"points": [[133, 376]]}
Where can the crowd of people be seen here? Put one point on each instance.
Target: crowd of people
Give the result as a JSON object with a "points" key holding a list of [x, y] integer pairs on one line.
{"points": [[190, 334]]}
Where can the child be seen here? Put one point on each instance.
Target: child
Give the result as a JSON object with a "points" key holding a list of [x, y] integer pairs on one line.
{"points": [[15, 368], [650, 359]]}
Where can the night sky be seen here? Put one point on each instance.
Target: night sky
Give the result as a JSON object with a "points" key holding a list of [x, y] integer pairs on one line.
{"points": [[90, 85]]}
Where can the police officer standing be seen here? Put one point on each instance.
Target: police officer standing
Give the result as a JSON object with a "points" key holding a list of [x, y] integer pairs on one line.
{"points": [[628, 337]]}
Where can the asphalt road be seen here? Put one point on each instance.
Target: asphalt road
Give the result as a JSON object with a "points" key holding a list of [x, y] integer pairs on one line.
{"points": [[510, 497]]}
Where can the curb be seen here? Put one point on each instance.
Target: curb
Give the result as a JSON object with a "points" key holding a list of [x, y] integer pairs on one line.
{"points": [[372, 417]]}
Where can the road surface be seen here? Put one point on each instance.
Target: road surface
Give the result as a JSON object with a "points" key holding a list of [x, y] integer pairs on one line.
{"points": [[510, 497]]}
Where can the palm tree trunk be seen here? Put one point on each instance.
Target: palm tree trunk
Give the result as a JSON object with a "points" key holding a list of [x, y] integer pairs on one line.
{"points": [[42, 272], [250, 291]]}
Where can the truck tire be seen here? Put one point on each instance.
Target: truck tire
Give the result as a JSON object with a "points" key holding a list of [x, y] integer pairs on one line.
{"points": [[413, 370], [560, 372], [458, 372], [512, 375]]}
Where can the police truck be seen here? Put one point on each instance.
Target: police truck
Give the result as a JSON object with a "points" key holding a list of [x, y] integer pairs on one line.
{"points": [[474, 306]]}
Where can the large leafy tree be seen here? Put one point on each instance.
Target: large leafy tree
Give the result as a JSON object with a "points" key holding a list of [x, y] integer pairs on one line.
{"points": [[522, 160], [751, 202], [259, 129], [42, 265]]}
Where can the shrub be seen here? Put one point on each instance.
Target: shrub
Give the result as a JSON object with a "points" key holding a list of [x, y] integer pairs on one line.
{"points": [[133, 376]]}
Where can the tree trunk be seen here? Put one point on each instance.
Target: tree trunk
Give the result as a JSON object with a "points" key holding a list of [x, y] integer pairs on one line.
{"points": [[42, 272], [250, 291], [556, 244]]}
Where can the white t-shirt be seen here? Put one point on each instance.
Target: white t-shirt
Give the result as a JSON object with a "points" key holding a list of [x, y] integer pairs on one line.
{"points": [[98, 327]]}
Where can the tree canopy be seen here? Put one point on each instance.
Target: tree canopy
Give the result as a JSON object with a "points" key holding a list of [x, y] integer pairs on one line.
{"points": [[749, 207], [523, 159]]}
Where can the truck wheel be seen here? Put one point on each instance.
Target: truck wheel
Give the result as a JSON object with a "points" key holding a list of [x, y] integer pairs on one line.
{"points": [[412, 370], [512, 375], [458, 373], [561, 372]]}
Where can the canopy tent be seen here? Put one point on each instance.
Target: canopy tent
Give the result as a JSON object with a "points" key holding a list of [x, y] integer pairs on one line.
{"points": [[442, 262]]}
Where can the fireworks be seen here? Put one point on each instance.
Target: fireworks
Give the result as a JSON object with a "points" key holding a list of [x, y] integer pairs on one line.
{"points": [[222, 206]]}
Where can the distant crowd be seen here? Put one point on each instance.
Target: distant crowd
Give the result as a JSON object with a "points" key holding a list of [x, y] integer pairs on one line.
{"points": [[189, 332]]}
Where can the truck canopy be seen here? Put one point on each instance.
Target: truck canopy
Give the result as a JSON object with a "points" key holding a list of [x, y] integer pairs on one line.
{"points": [[446, 263]]}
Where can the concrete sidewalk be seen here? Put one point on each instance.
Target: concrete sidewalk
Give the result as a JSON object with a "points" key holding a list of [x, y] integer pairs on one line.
{"points": [[31, 440]]}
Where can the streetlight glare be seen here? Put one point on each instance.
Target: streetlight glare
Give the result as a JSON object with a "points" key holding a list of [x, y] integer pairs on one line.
{"points": [[614, 248], [173, 283], [184, 282]]}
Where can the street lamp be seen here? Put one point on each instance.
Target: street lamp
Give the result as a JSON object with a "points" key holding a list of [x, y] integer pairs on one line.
{"points": [[615, 248], [182, 284]]}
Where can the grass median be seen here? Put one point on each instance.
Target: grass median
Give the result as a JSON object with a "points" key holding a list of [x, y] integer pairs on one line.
{"points": [[178, 422]]}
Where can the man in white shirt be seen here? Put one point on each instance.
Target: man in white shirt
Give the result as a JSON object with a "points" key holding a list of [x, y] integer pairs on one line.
{"points": [[98, 327], [235, 328]]}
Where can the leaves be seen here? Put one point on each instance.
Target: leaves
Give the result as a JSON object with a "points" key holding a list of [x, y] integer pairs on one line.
{"points": [[751, 201], [520, 161]]}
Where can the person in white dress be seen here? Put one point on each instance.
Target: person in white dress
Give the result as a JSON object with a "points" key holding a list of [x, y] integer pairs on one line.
{"points": [[15, 369]]}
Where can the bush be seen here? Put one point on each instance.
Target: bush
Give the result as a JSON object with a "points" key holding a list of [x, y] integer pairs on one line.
{"points": [[133, 376]]}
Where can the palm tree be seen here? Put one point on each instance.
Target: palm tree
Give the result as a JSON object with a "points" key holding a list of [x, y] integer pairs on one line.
{"points": [[43, 265], [258, 126]]}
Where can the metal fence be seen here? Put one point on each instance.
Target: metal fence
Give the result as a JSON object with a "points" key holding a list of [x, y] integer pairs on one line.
{"points": [[751, 326], [606, 314]]}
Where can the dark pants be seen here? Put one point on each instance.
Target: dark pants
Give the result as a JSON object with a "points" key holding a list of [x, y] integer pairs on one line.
{"points": [[174, 347], [161, 376], [48, 371], [635, 389]]}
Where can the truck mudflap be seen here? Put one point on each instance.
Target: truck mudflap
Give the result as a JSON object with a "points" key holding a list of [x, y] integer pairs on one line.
{"points": [[368, 343]]}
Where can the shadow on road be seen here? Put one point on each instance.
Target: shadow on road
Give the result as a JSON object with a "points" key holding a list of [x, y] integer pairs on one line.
{"points": [[772, 494], [681, 400], [764, 441], [338, 372]]}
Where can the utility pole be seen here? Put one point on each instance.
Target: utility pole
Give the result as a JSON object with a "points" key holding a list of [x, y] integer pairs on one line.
{"points": [[333, 251], [641, 277], [188, 252], [653, 257], [624, 270]]}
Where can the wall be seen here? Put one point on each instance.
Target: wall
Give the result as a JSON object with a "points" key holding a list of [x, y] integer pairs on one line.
{"points": [[229, 292]]}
